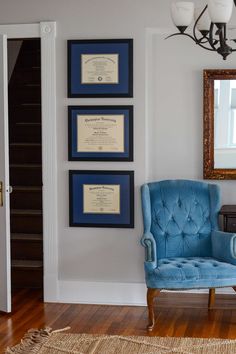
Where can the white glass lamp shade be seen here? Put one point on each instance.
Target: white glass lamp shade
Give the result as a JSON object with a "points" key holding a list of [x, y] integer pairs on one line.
{"points": [[220, 11], [204, 21], [182, 13]]}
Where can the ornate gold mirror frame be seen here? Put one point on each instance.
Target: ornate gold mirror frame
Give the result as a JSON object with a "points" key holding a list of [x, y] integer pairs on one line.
{"points": [[209, 171]]}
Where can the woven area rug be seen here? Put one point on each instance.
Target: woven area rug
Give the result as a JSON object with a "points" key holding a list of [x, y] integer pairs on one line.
{"points": [[56, 342]]}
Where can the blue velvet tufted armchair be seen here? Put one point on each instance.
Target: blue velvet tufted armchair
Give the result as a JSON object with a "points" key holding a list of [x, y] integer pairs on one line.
{"points": [[184, 247]]}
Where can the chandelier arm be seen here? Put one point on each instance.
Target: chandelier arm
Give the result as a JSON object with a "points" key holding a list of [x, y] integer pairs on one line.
{"points": [[180, 34], [196, 22], [202, 46], [199, 41], [188, 35], [202, 41]]}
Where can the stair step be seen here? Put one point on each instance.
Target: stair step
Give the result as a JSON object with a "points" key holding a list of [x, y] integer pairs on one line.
{"points": [[25, 145], [29, 69], [29, 124], [26, 114], [26, 175], [26, 274], [27, 237], [25, 132], [25, 153], [25, 165], [26, 221], [26, 197], [26, 264], [33, 94], [31, 278], [26, 212], [26, 76], [30, 104], [27, 189], [29, 59], [26, 248]]}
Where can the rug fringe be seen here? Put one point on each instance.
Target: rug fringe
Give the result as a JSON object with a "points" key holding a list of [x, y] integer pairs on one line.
{"points": [[61, 330], [33, 341]]}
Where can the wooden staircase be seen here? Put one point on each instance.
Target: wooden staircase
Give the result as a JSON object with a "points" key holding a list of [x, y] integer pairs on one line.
{"points": [[26, 168]]}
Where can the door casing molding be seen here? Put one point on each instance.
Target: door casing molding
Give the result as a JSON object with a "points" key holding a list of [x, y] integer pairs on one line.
{"points": [[46, 31]]}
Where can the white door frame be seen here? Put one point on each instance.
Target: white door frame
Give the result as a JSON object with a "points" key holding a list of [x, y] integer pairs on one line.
{"points": [[46, 31]]}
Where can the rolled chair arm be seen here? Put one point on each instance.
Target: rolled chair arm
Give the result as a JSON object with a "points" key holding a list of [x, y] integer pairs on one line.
{"points": [[149, 243], [224, 246]]}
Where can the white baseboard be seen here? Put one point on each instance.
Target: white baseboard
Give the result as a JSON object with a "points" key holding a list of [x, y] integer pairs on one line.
{"points": [[133, 294], [104, 293]]}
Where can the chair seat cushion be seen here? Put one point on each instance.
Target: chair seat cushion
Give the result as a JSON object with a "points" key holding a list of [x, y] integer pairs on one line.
{"points": [[191, 273]]}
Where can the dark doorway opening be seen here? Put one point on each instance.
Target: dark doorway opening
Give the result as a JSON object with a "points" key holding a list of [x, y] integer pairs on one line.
{"points": [[25, 157]]}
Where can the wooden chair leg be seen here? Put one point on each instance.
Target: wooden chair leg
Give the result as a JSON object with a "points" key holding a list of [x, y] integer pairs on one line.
{"points": [[151, 294], [234, 287], [211, 298]]}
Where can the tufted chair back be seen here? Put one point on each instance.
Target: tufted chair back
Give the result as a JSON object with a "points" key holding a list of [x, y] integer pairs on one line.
{"points": [[181, 214]]}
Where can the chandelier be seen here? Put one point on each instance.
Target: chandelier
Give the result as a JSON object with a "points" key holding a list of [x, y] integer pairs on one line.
{"points": [[210, 24]]}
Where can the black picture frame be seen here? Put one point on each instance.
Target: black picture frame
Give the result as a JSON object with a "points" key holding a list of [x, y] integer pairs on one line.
{"points": [[77, 216], [121, 47], [73, 114]]}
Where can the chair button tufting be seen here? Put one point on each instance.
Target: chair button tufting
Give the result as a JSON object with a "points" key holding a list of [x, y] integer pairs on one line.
{"points": [[189, 219]]}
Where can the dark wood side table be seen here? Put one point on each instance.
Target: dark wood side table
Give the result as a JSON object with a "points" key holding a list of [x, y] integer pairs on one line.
{"points": [[229, 217]]}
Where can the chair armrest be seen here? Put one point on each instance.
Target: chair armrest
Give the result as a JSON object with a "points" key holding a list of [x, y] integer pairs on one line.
{"points": [[149, 243], [224, 246]]}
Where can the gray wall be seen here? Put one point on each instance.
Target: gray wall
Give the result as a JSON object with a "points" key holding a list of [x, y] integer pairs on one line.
{"points": [[177, 122], [115, 254]]}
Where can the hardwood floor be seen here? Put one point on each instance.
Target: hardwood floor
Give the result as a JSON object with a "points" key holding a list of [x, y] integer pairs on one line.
{"points": [[184, 315]]}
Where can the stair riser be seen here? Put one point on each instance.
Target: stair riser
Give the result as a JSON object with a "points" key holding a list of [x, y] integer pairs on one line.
{"points": [[20, 176], [26, 278], [26, 77], [26, 94], [21, 133], [26, 224], [25, 114], [25, 154], [29, 59], [26, 200], [26, 250]]}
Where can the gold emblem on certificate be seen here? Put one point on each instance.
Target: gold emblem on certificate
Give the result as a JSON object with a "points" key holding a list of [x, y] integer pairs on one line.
{"points": [[101, 199], [100, 133], [99, 68]]}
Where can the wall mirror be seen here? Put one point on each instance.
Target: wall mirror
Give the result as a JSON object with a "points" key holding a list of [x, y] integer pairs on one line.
{"points": [[219, 130]]}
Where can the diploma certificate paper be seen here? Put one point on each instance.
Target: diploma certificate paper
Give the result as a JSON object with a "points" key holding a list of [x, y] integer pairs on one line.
{"points": [[101, 199], [100, 133], [100, 68]]}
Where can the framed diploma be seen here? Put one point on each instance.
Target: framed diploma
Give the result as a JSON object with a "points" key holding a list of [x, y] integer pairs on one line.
{"points": [[100, 68], [100, 133], [101, 198]]}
